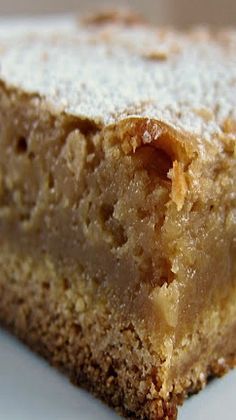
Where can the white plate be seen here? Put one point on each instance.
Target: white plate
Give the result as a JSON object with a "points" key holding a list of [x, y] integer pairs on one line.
{"points": [[31, 390]]}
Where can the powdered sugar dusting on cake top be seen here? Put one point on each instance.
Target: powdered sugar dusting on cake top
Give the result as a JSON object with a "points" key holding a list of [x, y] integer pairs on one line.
{"points": [[107, 72]]}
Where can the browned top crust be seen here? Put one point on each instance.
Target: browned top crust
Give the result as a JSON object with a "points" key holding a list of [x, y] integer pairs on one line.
{"points": [[106, 16], [112, 70]]}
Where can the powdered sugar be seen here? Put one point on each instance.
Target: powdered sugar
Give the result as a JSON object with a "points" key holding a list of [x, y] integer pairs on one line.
{"points": [[105, 73]]}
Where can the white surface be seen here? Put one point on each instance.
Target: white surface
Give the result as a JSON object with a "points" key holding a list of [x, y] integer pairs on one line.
{"points": [[31, 389]]}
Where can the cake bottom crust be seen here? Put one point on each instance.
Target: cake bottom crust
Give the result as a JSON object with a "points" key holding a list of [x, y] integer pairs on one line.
{"points": [[30, 310], [96, 378], [93, 379]]}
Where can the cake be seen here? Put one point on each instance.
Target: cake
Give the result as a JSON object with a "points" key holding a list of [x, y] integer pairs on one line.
{"points": [[118, 204]]}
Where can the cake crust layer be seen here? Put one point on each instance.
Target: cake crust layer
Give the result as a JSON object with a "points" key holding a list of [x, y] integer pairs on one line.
{"points": [[67, 340]]}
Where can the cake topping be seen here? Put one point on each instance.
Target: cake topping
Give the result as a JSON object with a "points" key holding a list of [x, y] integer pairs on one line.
{"points": [[187, 80]]}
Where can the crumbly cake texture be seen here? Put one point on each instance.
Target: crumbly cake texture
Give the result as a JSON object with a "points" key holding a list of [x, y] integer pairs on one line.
{"points": [[118, 204]]}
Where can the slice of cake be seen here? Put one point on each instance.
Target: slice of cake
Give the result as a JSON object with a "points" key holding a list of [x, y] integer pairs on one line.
{"points": [[118, 205]]}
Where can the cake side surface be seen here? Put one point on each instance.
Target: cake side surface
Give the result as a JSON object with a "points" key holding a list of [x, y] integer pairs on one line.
{"points": [[121, 216], [76, 341]]}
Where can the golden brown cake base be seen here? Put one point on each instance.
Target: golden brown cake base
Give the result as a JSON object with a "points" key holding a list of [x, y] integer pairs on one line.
{"points": [[72, 346]]}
